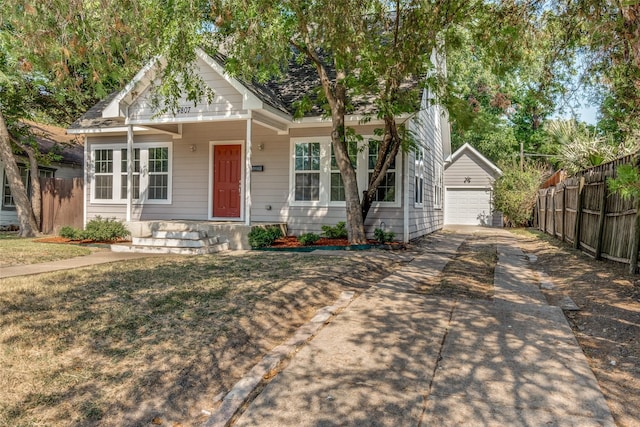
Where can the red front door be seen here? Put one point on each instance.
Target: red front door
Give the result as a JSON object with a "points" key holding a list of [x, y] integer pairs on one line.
{"points": [[227, 173]]}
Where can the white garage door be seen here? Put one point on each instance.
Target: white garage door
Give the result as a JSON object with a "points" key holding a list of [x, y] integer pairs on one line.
{"points": [[468, 206]]}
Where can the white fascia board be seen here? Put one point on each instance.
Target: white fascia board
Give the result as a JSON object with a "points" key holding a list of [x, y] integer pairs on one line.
{"points": [[249, 100], [184, 120], [118, 129], [351, 120], [114, 109]]}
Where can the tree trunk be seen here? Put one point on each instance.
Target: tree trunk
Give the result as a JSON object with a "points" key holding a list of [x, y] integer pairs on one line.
{"points": [[36, 191], [28, 226], [387, 152], [336, 96], [355, 221]]}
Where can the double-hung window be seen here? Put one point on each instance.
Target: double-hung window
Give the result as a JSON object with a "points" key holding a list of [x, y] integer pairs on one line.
{"points": [[418, 188], [316, 179], [387, 189], [158, 185], [135, 187], [437, 187], [307, 171], [337, 185], [150, 178]]}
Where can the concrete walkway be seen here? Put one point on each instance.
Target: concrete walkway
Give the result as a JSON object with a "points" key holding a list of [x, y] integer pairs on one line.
{"points": [[98, 257], [395, 357]]}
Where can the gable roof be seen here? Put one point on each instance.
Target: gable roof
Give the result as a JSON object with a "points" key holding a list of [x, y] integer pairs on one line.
{"points": [[279, 95], [468, 148]]}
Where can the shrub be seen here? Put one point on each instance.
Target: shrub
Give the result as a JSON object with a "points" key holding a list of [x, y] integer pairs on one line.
{"points": [[261, 237], [516, 191], [107, 229], [69, 232], [339, 231], [383, 236], [308, 238]]}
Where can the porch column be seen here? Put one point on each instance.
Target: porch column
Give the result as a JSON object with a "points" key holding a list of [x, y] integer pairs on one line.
{"points": [[129, 170], [247, 179]]}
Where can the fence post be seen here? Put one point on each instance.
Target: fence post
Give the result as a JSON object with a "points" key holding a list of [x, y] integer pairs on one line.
{"points": [[553, 212], [564, 210], [602, 219], [635, 241], [576, 239]]}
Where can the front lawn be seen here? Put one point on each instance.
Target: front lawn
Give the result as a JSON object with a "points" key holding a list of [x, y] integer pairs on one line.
{"points": [[156, 340], [21, 251]]}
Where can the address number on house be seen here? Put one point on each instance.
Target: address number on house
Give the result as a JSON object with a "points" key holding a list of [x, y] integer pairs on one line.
{"points": [[183, 110]]}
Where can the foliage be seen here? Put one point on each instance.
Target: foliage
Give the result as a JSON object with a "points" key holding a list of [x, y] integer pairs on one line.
{"points": [[69, 232], [104, 230], [261, 237], [627, 182], [515, 192], [384, 52], [383, 236], [308, 238], [582, 148], [339, 231]]}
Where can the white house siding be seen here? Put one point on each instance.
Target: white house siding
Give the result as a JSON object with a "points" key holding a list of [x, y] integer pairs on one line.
{"points": [[227, 101], [428, 130], [468, 191], [270, 188], [466, 167]]}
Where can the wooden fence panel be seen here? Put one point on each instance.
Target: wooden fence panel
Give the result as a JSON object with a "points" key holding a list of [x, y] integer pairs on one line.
{"points": [[62, 203], [590, 216], [558, 208], [582, 208], [570, 209]]}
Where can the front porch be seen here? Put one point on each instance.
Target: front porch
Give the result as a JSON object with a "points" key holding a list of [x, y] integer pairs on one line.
{"points": [[168, 234]]}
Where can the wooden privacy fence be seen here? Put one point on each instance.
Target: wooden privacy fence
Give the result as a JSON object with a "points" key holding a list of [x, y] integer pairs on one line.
{"points": [[582, 211], [62, 203]]}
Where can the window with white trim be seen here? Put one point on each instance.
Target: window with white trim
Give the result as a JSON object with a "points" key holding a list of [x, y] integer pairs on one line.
{"points": [[418, 189], [337, 185], [437, 187], [103, 174], [316, 180], [151, 177], [135, 177], [158, 186], [386, 191], [307, 171]]}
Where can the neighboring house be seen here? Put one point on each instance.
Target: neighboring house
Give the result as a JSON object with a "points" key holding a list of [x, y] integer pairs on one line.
{"points": [[244, 159], [468, 181], [50, 139]]}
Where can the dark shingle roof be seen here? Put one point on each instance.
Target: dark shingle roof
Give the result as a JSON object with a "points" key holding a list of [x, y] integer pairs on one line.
{"points": [[300, 81], [53, 139]]}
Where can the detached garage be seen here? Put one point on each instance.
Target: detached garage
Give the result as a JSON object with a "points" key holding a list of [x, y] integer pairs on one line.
{"points": [[468, 181]]}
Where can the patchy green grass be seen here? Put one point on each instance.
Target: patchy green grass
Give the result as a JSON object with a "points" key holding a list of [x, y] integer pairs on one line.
{"points": [[21, 251], [124, 343]]}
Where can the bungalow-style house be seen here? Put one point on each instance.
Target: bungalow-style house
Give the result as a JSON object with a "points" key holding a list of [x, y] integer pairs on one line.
{"points": [[244, 160], [468, 182], [50, 139]]}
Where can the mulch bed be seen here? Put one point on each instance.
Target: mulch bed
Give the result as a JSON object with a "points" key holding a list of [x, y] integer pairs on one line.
{"points": [[292, 242], [58, 239]]}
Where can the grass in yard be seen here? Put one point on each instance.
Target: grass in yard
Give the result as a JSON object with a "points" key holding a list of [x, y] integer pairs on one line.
{"points": [[21, 251], [124, 343]]}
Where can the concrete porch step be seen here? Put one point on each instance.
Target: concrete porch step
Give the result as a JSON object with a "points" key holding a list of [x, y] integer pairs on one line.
{"points": [[218, 247], [174, 243], [184, 235]]}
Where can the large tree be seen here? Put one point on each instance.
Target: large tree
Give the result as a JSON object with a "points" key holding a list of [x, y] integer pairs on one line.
{"points": [[57, 57], [376, 50]]}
